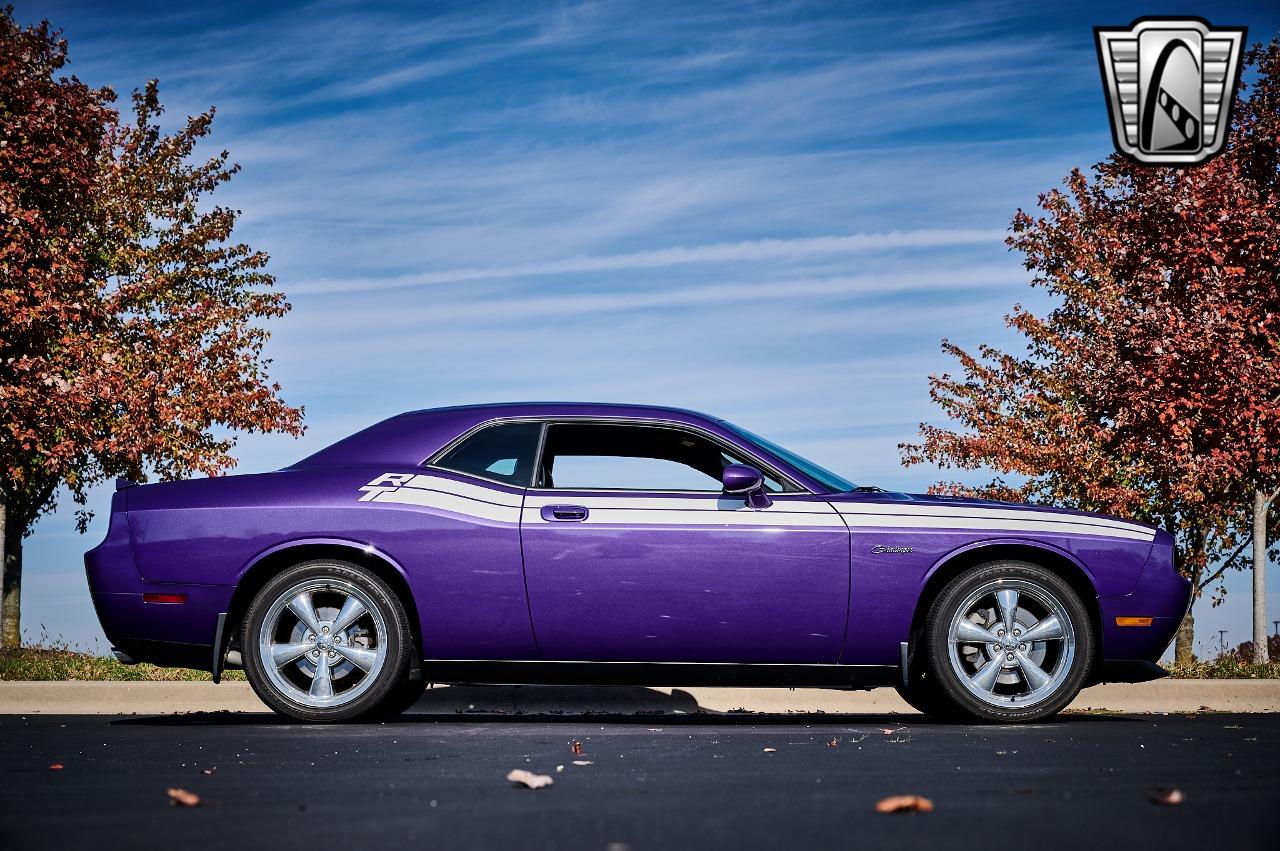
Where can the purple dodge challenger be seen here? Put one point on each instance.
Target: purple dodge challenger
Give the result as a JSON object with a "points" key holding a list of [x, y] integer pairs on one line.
{"points": [[591, 544]]}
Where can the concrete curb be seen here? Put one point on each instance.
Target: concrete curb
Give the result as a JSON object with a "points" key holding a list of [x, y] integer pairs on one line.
{"points": [[159, 698]]}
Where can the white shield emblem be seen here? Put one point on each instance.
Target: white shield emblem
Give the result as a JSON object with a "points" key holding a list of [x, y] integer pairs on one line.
{"points": [[1169, 85]]}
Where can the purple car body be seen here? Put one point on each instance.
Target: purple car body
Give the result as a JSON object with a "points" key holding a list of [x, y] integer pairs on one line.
{"points": [[810, 579]]}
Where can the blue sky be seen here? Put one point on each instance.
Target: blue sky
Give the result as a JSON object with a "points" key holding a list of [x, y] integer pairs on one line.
{"points": [[773, 212]]}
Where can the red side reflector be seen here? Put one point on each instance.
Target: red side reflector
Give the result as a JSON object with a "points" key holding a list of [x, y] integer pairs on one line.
{"points": [[1133, 621], [164, 598]]}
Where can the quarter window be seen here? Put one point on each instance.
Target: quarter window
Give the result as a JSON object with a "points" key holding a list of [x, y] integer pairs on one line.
{"points": [[503, 452]]}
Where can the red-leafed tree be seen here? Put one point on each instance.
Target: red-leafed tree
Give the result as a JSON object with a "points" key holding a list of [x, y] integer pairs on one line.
{"points": [[129, 335], [1152, 388]]}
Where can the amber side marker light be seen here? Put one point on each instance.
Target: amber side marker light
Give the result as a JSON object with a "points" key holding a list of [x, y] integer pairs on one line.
{"points": [[164, 598], [1133, 621]]}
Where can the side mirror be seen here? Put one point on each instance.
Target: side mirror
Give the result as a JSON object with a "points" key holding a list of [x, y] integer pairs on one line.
{"points": [[741, 479]]}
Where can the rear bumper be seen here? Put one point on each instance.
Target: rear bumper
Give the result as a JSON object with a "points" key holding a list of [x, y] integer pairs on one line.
{"points": [[167, 654], [127, 618], [163, 633]]}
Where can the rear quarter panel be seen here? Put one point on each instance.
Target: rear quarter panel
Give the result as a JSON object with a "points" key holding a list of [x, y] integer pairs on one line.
{"points": [[459, 556]]}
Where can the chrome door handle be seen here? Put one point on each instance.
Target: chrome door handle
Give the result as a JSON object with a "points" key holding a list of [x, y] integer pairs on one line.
{"points": [[565, 513]]}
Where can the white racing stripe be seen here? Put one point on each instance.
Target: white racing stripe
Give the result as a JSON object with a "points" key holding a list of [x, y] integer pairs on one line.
{"points": [[491, 504], [1001, 514], [439, 483], [866, 519], [694, 517], [445, 494], [679, 503], [621, 510], [450, 502]]}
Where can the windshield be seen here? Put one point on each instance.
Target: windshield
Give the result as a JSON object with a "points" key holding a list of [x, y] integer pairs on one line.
{"points": [[827, 478]]}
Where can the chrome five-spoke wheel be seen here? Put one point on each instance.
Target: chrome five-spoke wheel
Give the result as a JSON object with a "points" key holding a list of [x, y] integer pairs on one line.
{"points": [[1011, 643], [323, 643], [1008, 641], [327, 641]]}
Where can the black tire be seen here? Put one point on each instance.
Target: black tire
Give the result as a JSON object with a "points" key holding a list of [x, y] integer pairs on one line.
{"points": [[394, 642], [1072, 655]]}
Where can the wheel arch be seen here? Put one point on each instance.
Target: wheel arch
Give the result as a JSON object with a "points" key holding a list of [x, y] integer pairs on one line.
{"points": [[1062, 564], [272, 562]]}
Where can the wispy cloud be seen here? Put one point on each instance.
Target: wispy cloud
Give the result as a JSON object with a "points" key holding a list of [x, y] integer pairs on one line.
{"points": [[724, 252]]}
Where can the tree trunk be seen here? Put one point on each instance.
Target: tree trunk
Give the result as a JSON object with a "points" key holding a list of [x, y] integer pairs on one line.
{"points": [[11, 584], [1188, 560], [1260, 504], [3, 528], [1184, 643]]}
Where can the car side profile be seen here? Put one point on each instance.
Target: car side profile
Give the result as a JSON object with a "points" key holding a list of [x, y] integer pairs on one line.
{"points": [[600, 543]]}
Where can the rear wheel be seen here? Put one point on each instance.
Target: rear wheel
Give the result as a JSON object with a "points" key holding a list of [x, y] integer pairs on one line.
{"points": [[1008, 641], [326, 641]]}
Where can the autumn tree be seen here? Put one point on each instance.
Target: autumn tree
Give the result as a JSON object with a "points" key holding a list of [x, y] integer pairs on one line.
{"points": [[130, 336], [1152, 388]]}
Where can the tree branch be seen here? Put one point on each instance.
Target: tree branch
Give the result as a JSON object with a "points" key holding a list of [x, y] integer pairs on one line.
{"points": [[1227, 564]]}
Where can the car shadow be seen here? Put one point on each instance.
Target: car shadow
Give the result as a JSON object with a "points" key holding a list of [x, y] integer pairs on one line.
{"points": [[621, 705]]}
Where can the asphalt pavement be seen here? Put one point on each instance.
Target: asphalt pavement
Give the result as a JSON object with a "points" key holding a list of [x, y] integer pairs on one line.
{"points": [[739, 781]]}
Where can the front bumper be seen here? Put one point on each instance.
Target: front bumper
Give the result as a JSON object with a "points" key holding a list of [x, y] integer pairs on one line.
{"points": [[1161, 594]]}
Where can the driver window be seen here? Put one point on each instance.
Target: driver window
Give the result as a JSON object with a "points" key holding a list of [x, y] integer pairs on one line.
{"points": [[619, 456]]}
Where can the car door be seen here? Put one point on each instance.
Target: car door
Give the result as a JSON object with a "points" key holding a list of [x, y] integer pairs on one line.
{"points": [[454, 528], [633, 553]]}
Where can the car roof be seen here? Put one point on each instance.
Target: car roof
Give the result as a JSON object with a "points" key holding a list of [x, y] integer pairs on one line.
{"points": [[562, 409], [409, 438]]}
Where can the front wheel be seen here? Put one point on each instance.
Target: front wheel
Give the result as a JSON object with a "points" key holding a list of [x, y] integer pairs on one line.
{"points": [[326, 641], [1008, 641]]}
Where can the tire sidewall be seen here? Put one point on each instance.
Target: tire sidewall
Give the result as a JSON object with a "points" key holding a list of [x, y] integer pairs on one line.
{"points": [[936, 638], [399, 641]]}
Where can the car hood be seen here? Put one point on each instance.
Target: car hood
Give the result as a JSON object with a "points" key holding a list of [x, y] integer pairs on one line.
{"points": [[942, 502]]}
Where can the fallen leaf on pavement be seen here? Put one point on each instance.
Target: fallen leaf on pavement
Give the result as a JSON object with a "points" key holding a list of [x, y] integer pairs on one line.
{"points": [[57, 766], [526, 778], [575, 746], [1169, 797], [183, 798], [834, 743], [904, 804], [888, 731]]}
